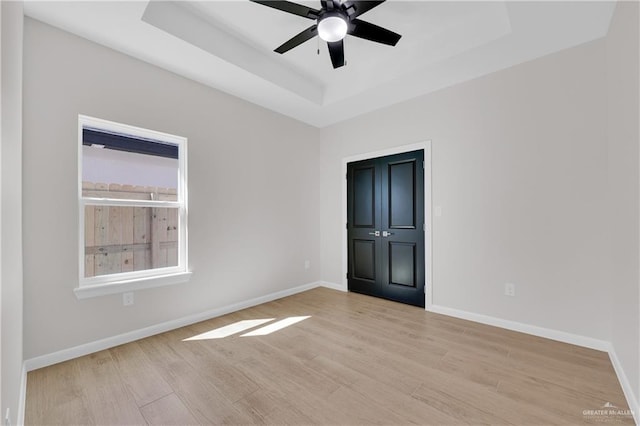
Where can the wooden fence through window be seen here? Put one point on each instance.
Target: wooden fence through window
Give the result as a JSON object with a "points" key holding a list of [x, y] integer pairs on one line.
{"points": [[124, 239]]}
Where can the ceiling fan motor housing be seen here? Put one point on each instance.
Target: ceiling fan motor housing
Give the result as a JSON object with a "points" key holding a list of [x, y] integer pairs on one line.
{"points": [[332, 25]]}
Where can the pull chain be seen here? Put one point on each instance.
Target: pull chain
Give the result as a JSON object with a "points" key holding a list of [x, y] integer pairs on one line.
{"points": [[318, 39]]}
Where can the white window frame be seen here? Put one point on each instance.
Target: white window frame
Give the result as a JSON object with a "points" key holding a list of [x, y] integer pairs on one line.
{"points": [[136, 280]]}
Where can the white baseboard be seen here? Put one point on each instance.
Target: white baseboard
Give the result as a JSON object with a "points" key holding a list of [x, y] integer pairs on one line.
{"points": [[561, 336], [629, 394], [110, 342], [23, 396], [333, 286]]}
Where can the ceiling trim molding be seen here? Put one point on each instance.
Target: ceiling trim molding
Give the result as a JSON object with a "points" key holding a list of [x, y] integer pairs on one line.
{"points": [[180, 21]]}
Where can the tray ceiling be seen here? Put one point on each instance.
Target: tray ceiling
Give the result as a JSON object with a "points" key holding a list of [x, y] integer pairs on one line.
{"points": [[229, 45]]}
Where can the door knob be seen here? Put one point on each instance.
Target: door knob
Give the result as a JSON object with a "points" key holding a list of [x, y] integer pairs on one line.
{"points": [[386, 233], [375, 234]]}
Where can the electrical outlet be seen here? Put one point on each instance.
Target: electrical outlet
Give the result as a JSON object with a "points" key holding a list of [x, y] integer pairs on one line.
{"points": [[307, 264], [510, 289], [7, 418], [127, 299]]}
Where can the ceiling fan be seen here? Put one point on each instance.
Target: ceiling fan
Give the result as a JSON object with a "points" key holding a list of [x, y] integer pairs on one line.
{"points": [[334, 21]]}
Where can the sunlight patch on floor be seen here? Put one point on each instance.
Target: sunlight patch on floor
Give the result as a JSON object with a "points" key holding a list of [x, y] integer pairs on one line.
{"points": [[271, 328], [229, 330], [240, 326]]}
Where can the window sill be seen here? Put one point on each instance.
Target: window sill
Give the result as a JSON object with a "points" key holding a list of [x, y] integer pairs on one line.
{"points": [[89, 291]]}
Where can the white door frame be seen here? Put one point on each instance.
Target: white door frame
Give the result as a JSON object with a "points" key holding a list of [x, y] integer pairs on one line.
{"points": [[428, 244]]}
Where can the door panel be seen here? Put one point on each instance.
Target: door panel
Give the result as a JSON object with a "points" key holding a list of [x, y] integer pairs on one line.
{"points": [[364, 260], [364, 218], [385, 211], [364, 197], [402, 195], [402, 264]]}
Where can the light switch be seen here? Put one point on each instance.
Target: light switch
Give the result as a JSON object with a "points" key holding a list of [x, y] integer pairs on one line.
{"points": [[438, 211]]}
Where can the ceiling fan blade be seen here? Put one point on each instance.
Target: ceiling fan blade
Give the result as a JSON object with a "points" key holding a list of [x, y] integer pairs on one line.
{"points": [[373, 32], [336, 51], [359, 7], [297, 40], [290, 7]]}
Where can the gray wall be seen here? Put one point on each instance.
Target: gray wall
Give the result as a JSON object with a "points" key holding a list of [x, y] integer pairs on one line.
{"points": [[518, 170], [253, 190], [11, 207], [624, 189]]}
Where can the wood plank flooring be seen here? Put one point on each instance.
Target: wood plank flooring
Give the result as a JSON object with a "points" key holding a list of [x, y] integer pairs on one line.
{"points": [[356, 360]]}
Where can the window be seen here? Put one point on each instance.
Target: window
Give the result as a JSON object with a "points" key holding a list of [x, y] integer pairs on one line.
{"points": [[133, 208]]}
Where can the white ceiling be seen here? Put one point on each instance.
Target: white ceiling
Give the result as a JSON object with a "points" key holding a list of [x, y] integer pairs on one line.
{"points": [[229, 45]]}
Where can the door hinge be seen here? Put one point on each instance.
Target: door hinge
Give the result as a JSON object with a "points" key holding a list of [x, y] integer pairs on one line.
{"points": [[347, 225], [424, 227], [423, 165]]}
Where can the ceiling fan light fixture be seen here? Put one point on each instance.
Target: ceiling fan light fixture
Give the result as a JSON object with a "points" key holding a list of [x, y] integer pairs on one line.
{"points": [[332, 28], [333, 21]]}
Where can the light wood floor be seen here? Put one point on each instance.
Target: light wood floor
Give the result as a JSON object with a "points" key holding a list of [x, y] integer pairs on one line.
{"points": [[356, 360]]}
